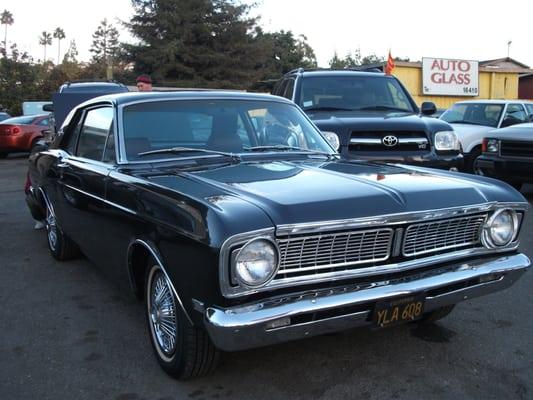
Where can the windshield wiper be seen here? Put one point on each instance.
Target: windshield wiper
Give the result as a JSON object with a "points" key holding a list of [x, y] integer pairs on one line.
{"points": [[328, 109], [233, 156], [385, 108], [282, 147]]}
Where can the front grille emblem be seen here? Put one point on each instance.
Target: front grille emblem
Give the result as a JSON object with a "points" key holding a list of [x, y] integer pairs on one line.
{"points": [[390, 141]]}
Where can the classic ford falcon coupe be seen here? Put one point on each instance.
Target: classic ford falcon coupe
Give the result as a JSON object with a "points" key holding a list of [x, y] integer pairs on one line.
{"points": [[239, 226]]}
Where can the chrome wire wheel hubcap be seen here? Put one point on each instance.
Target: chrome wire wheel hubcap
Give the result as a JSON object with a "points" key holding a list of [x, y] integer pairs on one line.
{"points": [[51, 228], [162, 310]]}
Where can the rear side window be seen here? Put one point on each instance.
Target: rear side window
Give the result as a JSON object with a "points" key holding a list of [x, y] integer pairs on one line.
{"points": [[94, 133]]}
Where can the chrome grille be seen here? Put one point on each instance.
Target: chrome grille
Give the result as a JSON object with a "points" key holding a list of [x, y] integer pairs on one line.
{"points": [[333, 251], [416, 141], [442, 235]]}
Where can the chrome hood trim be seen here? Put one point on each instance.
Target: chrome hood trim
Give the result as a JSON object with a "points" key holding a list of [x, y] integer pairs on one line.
{"points": [[394, 219]]}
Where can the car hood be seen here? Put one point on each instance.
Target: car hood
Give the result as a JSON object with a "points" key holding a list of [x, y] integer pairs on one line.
{"points": [[515, 132], [292, 192], [462, 129]]}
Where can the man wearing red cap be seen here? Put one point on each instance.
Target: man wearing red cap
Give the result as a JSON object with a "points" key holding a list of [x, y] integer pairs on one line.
{"points": [[144, 83]]}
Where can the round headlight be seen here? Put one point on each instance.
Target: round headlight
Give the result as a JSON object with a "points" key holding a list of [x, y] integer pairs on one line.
{"points": [[257, 262], [501, 228], [446, 140], [333, 139]]}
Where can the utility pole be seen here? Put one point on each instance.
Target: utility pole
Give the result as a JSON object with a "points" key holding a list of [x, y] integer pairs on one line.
{"points": [[509, 47]]}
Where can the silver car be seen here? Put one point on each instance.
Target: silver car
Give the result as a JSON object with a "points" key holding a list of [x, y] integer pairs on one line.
{"points": [[471, 120]]}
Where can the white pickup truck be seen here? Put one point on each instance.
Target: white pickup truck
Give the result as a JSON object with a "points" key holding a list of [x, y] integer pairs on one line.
{"points": [[471, 120]]}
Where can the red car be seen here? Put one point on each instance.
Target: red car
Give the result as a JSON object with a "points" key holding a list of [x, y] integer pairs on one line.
{"points": [[21, 133]]}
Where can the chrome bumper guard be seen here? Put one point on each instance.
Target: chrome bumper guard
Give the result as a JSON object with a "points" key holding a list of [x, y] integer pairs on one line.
{"points": [[307, 314]]}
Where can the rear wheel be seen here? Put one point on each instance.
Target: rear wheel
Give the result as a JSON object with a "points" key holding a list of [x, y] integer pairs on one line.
{"points": [[183, 350], [60, 245]]}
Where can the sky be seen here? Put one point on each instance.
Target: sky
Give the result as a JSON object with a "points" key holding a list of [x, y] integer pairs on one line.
{"points": [[458, 29]]}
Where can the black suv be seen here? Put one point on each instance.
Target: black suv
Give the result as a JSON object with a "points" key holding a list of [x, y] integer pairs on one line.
{"points": [[70, 94], [373, 116]]}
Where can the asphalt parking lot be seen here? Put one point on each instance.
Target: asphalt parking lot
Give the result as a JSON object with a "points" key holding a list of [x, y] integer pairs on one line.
{"points": [[69, 333]]}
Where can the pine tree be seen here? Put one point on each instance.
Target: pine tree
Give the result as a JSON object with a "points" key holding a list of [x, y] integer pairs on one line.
{"points": [[105, 45], [71, 55], [194, 42]]}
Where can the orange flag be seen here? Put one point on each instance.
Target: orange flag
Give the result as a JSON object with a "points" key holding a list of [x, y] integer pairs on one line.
{"points": [[390, 65]]}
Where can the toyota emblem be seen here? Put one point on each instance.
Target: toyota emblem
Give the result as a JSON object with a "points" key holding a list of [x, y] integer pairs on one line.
{"points": [[390, 141]]}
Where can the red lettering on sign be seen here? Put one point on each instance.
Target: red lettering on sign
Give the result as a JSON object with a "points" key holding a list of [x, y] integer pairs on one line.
{"points": [[464, 66]]}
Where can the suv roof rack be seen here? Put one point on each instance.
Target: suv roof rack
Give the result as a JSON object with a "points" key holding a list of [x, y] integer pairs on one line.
{"points": [[92, 81], [362, 68]]}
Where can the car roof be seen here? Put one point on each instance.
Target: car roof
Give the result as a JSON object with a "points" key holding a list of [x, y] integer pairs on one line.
{"points": [[93, 86], [17, 120], [129, 97]]}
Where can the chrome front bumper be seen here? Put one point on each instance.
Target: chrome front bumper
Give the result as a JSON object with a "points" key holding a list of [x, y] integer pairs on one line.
{"points": [[308, 314]]}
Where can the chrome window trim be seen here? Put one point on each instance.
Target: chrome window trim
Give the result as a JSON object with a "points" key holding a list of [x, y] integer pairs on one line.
{"points": [[122, 159]]}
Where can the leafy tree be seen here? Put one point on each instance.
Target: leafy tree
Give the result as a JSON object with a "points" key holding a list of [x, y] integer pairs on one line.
{"points": [[18, 80], [284, 52], [45, 40], [195, 42], [6, 19], [59, 34], [354, 60]]}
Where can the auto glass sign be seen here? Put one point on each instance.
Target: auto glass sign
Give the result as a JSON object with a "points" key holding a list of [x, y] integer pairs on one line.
{"points": [[442, 76]]}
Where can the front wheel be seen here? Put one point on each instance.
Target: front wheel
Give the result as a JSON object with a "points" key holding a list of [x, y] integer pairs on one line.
{"points": [[183, 350], [470, 161]]}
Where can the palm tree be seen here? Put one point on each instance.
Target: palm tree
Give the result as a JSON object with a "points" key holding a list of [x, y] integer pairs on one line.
{"points": [[45, 40], [6, 19], [59, 34]]}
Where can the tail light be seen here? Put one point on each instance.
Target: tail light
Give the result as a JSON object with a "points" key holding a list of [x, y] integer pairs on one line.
{"points": [[10, 130]]}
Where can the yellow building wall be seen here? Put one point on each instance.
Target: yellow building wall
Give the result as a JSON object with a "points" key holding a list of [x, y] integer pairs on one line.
{"points": [[492, 85]]}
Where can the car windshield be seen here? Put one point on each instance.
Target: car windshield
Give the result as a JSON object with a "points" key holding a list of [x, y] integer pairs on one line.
{"points": [[373, 93], [163, 129], [24, 120], [474, 114]]}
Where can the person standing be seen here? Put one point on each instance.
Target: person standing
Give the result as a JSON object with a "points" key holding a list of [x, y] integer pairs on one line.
{"points": [[144, 83]]}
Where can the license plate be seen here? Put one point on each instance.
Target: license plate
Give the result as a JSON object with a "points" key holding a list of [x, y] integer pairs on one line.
{"points": [[397, 311]]}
